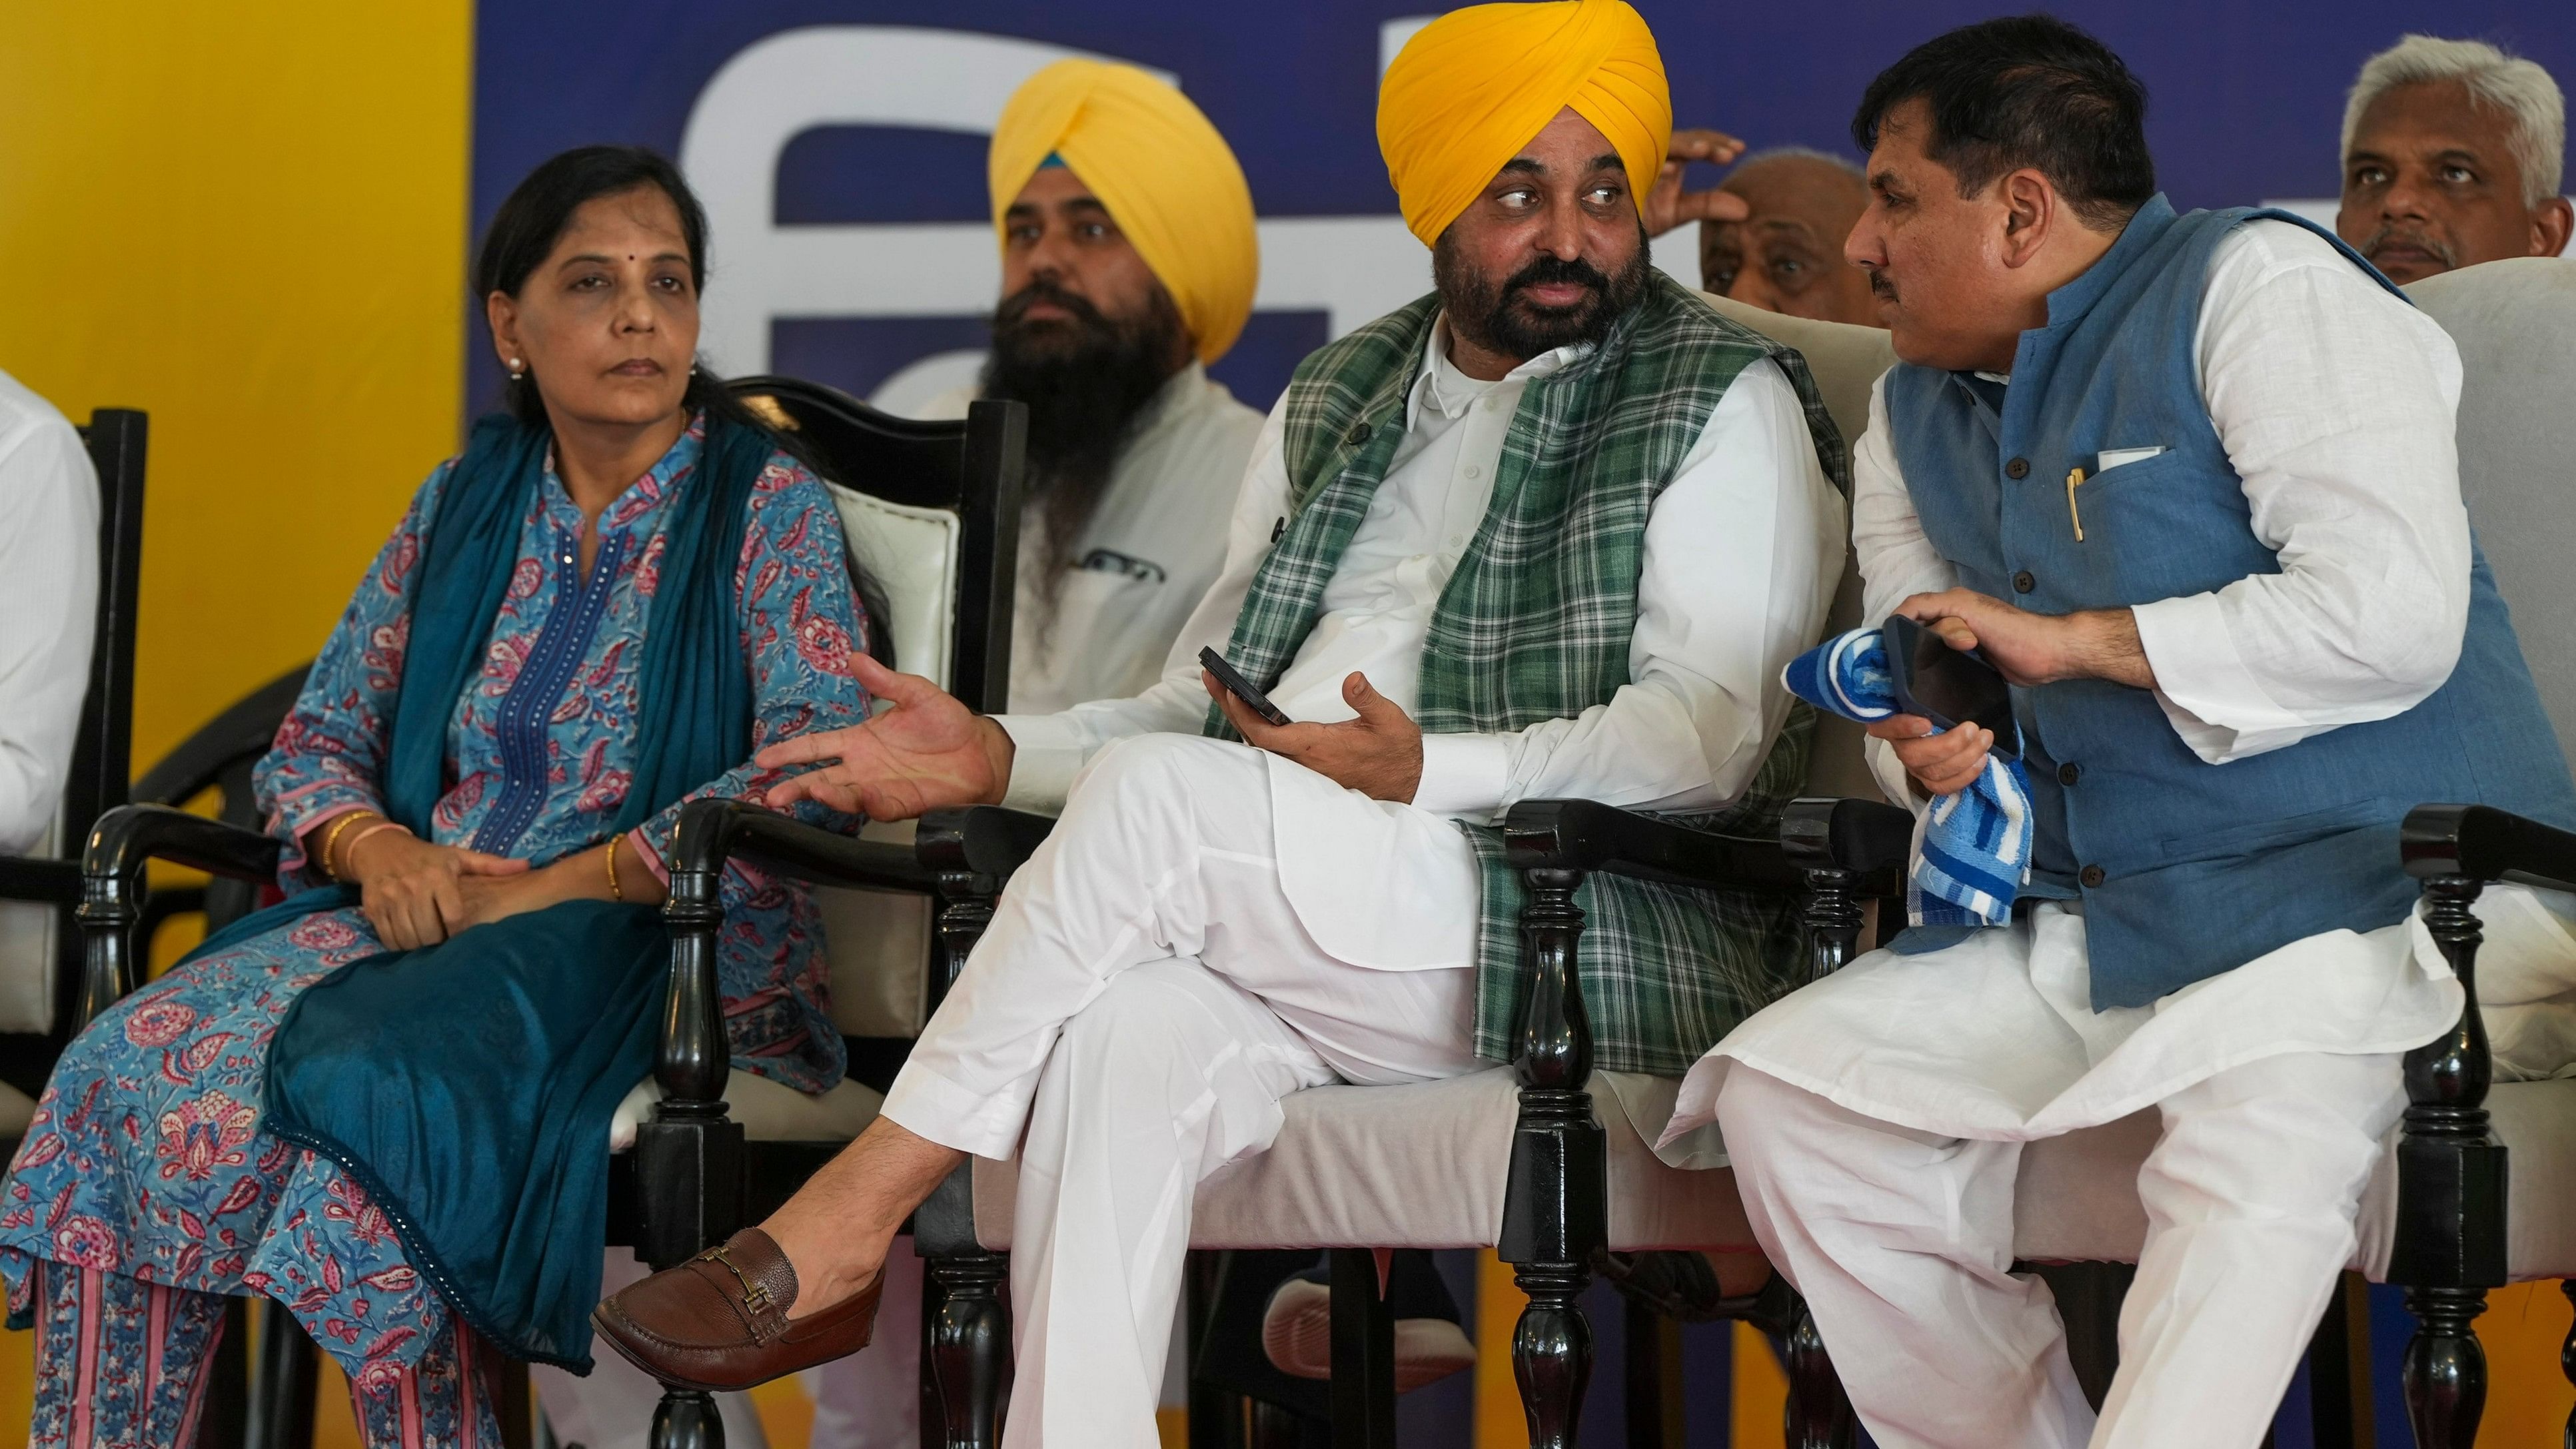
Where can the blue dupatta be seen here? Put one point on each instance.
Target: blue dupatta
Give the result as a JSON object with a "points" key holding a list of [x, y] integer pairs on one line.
{"points": [[468, 1086]]}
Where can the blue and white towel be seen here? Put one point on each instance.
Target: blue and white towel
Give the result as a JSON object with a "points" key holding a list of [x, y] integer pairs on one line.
{"points": [[1971, 849]]}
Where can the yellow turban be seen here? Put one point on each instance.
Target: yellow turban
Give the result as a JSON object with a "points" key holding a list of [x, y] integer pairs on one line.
{"points": [[1164, 173], [1476, 85]]}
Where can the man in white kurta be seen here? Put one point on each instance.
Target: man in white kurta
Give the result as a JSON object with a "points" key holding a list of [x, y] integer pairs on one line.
{"points": [[1212, 926], [48, 610], [1876, 1119]]}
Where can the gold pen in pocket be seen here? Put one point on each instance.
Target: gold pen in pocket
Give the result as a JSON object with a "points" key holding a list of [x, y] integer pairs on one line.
{"points": [[2074, 480]]}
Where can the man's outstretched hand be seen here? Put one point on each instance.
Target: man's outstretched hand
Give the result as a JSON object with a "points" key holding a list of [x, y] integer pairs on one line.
{"points": [[927, 752], [1379, 754]]}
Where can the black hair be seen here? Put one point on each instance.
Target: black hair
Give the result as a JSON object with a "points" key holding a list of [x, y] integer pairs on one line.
{"points": [[523, 233], [533, 219], [2025, 90]]}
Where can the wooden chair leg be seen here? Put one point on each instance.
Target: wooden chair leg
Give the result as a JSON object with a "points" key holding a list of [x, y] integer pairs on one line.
{"points": [[1556, 1204], [687, 1419], [225, 1417], [2449, 1248], [287, 1367], [969, 1355], [1363, 1334], [1819, 1413], [1650, 1355], [2340, 1412]]}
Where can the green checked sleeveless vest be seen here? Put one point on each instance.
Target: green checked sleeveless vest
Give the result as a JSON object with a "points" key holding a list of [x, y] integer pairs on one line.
{"points": [[1535, 625]]}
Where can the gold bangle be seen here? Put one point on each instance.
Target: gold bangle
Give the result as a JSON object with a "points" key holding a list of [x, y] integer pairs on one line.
{"points": [[331, 838], [613, 892]]}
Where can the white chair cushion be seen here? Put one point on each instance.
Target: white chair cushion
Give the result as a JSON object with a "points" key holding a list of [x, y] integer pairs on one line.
{"points": [[17, 1109], [1418, 1166], [768, 1111], [28, 948], [1424, 1167], [911, 553]]}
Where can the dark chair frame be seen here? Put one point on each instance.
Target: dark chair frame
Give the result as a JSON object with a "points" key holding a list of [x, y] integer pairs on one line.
{"points": [[693, 1178], [117, 440], [2449, 1247]]}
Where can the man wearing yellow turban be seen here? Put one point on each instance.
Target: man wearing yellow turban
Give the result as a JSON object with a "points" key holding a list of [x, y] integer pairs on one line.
{"points": [[1552, 530], [1128, 264]]}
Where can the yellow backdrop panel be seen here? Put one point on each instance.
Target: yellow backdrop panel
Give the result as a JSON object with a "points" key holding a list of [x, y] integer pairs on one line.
{"points": [[249, 221]]}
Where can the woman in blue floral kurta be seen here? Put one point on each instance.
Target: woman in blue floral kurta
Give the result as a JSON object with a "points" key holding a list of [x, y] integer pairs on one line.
{"points": [[146, 1185]]}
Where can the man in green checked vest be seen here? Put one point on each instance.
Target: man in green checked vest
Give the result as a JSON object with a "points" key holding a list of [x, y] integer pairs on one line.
{"points": [[1550, 531]]}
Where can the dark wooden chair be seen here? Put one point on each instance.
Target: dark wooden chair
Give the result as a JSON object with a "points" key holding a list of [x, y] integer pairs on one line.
{"points": [[101, 763], [950, 489]]}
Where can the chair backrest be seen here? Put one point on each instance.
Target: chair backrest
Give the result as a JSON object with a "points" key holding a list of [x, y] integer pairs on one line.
{"points": [[1845, 361], [40, 951], [932, 513], [2515, 325]]}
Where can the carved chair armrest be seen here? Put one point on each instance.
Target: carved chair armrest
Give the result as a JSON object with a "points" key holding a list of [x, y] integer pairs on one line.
{"points": [[2483, 843], [712, 833], [129, 835], [1587, 836], [112, 875], [974, 849], [1870, 838], [32, 878]]}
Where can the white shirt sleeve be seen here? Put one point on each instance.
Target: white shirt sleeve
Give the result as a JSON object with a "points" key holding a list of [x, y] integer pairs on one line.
{"points": [[48, 611], [1742, 553], [1050, 749], [1897, 561], [2335, 402]]}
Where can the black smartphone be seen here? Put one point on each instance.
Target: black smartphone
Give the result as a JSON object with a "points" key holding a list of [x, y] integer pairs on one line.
{"points": [[1947, 686], [1241, 688]]}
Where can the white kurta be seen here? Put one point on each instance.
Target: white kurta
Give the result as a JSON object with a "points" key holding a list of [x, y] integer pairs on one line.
{"points": [[48, 611], [1876, 1117], [1148, 553]]}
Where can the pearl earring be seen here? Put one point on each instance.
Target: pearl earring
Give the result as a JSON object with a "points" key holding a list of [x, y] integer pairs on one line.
{"points": [[518, 369]]}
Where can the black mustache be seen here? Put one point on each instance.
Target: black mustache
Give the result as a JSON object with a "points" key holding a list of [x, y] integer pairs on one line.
{"points": [[1549, 271], [1015, 308]]}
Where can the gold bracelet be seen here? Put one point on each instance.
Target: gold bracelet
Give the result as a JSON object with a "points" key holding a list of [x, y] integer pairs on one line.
{"points": [[331, 838], [613, 891]]}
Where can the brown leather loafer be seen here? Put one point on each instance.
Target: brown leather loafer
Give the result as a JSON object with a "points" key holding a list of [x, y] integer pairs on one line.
{"points": [[718, 1322]]}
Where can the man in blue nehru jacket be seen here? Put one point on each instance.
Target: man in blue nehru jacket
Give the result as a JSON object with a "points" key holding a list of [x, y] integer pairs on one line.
{"points": [[2190, 482]]}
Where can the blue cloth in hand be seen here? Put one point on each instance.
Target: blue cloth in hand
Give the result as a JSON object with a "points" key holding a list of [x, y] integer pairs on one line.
{"points": [[1971, 849]]}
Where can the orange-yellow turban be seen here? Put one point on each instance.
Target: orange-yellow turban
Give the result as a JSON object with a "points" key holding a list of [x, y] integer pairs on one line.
{"points": [[1166, 176], [1476, 85]]}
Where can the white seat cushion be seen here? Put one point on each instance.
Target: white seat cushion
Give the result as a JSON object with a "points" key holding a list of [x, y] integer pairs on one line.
{"points": [[768, 1111], [1424, 1167], [17, 1109], [1348, 1170], [911, 554]]}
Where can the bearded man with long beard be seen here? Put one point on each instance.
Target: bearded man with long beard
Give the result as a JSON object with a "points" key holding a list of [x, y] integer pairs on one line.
{"points": [[1128, 265]]}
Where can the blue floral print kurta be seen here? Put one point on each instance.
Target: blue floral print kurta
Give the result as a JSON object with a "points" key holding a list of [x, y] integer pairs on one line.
{"points": [[146, 1156]]}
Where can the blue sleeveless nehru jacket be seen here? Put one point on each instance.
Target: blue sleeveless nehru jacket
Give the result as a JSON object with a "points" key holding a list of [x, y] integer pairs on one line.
{"points": [[2186, 869]]}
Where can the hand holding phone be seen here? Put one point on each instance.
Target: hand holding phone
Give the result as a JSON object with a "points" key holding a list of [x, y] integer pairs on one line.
{"points": [[1950, 687], [1231, 680]]}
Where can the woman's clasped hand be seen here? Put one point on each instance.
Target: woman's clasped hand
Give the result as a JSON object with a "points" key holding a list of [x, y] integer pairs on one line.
{"points": [[418, 894]]}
